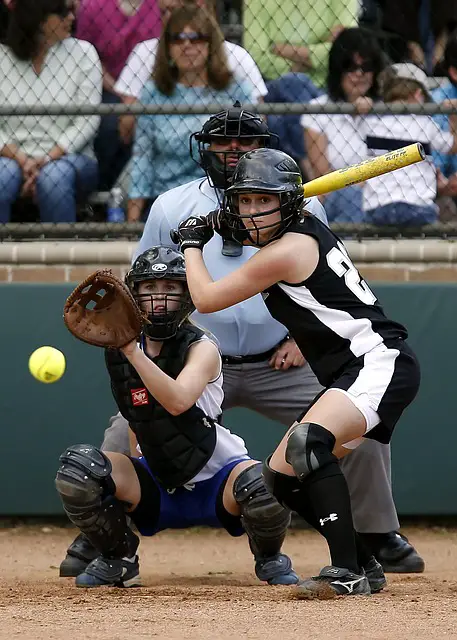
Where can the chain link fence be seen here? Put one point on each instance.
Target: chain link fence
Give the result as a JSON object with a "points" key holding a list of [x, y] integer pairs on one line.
{"points": [[99, 98]]}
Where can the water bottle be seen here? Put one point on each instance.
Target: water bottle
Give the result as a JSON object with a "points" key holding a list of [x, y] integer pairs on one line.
{"points": [[115, 211]]}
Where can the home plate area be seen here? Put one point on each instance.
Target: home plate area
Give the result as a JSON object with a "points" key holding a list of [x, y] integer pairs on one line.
{"points": [[200, 584]]}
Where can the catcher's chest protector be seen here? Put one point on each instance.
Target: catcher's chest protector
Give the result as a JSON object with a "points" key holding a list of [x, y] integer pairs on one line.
{"points": [[176, 447]]}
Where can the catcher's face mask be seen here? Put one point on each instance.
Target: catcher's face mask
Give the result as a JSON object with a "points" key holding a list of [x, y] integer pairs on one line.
{"points": [[166, 304]]}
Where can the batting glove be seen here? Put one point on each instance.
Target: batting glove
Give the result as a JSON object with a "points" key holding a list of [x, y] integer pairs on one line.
{"points": [[194, 233]]}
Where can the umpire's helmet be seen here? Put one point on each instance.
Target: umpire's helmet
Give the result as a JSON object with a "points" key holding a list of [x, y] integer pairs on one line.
{"points": [[161, 263], [263, 171], [233, 123]]}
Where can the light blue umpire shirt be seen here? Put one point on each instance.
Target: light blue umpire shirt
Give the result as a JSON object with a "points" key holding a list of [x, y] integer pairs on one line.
{"points": [[246, 328]]}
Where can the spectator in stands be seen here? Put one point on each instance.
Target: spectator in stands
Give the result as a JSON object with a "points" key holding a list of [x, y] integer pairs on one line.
{"points": [[419, 29], [447, 163], [48, 158], [295, 35], [292, 87], [114, 27], [335, 141], [139, 66], [405, 197], [190, 68]]}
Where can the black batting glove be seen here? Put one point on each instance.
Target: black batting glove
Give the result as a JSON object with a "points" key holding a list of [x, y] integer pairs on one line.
{"points": [[194, 233]]}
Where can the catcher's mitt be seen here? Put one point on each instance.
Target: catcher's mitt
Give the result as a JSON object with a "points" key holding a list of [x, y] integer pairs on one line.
{"points": [[102, 311]]}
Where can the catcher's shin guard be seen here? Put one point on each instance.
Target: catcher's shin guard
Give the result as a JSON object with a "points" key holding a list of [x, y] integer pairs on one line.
{"points": [[264, 519], [87, 491]]}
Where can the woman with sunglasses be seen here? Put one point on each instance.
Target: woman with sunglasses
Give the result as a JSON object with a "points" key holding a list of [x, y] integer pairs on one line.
{"points": [[360, 357], [47, 158], [190, 68], [334, 141]]}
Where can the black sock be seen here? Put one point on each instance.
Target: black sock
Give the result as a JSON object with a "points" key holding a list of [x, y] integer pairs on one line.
{"points": [[303, 507], [327, 496], [364, 554]]}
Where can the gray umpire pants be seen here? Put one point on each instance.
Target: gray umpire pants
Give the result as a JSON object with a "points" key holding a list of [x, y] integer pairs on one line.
{"points": [[282, 396]]}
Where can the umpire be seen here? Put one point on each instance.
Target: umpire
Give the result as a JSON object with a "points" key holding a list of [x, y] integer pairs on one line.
{"points": [[263, 368]]}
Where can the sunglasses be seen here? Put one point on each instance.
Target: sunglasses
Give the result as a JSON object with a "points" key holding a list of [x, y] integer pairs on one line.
{"points": [[365, 67], [191, 36]]}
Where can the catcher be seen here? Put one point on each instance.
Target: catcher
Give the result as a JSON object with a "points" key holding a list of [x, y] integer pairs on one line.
{"points": [[166, 379]]}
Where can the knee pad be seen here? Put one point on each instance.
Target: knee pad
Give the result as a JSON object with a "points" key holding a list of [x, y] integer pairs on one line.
{"points": [[309, 448], [264, 519], [84, 477], [87, 491]]}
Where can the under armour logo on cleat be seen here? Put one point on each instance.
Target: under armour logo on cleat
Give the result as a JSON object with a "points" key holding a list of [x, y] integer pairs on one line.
{"points": [[332, 517]]}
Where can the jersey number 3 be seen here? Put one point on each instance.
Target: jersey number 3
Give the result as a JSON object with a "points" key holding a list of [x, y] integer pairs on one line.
{"points": [[339, 262]]}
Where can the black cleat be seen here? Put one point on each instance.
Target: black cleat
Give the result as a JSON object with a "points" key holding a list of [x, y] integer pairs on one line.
{"points": [[394, 552], [332, 582], [375, 575], [79, 554], [111, 572]]}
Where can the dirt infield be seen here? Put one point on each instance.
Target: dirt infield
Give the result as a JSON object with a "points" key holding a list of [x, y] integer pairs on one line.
{"points": [[200, 585]]}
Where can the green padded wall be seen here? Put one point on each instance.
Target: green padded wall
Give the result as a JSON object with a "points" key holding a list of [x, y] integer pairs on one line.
{"points": [[39, 420]]}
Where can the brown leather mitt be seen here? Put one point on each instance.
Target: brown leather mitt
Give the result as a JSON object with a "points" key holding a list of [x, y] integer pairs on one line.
{"points": [[102, 311]]}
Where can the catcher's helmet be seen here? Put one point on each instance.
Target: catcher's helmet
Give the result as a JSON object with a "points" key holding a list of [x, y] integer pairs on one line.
{"points": [[229, 124], [263, 171], [161, 263]]}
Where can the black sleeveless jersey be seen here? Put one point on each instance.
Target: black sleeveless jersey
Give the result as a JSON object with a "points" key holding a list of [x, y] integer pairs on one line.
{"points": [[333, 316]]}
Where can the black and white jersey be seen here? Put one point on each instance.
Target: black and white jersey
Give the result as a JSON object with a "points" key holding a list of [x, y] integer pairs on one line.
{"points": [[333, 316]]}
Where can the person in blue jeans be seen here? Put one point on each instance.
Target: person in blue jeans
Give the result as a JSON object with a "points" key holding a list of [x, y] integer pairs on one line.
{"points": [[58, 187], [406, 198], [334, 141], [47, 158]]}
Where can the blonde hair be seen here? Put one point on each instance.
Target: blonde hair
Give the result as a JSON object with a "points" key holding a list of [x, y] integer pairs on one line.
{"points": [[393, 88]]}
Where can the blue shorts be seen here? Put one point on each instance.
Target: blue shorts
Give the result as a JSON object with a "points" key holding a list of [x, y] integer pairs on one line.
{"points": [[183, 508]]}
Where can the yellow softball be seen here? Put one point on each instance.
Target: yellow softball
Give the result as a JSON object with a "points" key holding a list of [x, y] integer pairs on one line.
{"points": [[47, 364]]}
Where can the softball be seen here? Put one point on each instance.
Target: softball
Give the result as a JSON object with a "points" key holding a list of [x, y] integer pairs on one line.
{"points": [[47, 364]]}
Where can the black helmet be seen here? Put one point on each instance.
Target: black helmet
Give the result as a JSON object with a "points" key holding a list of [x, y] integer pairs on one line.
{"points": [[263, 171], [159, 263], [231, 123]]}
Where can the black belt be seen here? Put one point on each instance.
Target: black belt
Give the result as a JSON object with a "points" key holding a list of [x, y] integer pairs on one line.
{"points": [[256, 357]]}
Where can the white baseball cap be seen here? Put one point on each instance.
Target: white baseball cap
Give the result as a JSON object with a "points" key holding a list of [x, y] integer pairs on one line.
{"points": [[409, 71]]}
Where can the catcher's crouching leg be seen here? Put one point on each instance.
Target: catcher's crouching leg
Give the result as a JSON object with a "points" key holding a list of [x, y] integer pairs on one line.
{"points": [[265, 522], [87, 491], [79, 554]]}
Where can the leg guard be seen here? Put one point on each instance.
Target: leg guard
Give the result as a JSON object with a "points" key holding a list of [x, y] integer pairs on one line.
{"points": [[79, 554], [309, 447], [87, 491], [265, 522], [263, 518]]}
